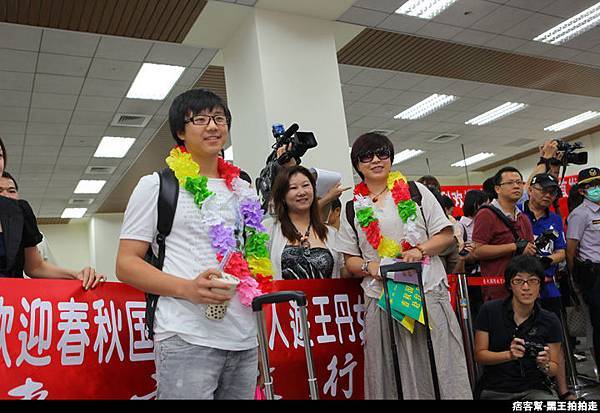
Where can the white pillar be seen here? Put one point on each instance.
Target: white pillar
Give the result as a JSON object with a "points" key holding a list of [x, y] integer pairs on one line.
{"points": [[282, 68], [104, 243]]}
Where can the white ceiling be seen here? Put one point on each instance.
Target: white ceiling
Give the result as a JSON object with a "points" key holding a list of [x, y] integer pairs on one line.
{"points": [[59, 92], [372, 97], [508, 25]]}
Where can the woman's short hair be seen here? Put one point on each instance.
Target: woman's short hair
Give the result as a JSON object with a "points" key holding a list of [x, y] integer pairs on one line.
{"points": [[193, 102], [369, 142], [474, 199], [524, 263], [281, 187]]}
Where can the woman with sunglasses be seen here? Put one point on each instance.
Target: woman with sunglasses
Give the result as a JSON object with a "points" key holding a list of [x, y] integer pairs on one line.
{"points": [[388, 225], [301, 245]]}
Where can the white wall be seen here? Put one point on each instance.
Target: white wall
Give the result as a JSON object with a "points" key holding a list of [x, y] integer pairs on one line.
{"points": [[69, 244], [104, 230]]}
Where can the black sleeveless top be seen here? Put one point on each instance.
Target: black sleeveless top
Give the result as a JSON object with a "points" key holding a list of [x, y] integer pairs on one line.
{"points": [[296, 265]]}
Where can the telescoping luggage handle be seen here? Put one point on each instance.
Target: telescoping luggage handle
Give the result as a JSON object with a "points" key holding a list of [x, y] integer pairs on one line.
{"points": [[280, 297], [418, 267]]}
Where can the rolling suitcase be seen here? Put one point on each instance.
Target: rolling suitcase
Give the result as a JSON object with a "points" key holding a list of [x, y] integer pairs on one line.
{"points": [[404, 266], [280, 297]]}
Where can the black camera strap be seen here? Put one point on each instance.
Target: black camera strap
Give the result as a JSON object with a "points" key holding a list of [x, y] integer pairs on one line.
{"points": [[506, 220]]}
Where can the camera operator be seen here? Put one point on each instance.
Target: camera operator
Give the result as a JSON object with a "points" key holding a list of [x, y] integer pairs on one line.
{"points": [[550, 243], [583, 254], [517, 341]]}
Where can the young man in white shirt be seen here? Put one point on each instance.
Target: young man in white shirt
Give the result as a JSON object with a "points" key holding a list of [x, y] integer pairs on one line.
{"points": [[196, 357]]}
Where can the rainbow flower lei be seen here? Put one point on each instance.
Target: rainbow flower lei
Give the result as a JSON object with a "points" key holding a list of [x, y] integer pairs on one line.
{"points": [[407, 210], [253, 265]]}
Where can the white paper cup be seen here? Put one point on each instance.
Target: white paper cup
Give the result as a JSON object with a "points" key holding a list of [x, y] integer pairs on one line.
{"points": [[230, 283]]}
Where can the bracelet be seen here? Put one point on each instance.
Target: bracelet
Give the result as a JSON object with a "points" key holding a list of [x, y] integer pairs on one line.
{"points": [[365, 266]]}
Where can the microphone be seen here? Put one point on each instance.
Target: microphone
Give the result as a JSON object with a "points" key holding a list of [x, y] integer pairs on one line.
{"points": [[290, 132]]}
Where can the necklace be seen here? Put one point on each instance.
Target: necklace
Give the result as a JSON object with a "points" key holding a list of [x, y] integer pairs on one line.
{"points": [[376, 197], [251, 265], [304, 242]]}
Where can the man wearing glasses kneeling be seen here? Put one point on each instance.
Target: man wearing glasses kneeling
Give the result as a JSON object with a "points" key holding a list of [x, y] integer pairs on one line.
{"points": [[517, 341]]}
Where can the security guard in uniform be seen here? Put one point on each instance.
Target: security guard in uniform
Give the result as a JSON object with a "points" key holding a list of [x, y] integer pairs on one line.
{"points": [[583, 247]]}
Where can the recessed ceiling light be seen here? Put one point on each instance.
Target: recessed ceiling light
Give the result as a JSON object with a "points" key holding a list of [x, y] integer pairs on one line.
{"points": [[426, 107], [572, 27], [497, 113], [567, 123], [406, 155], [425, 9], [229, 153], [113, 147], [73, 212], [154, 81], [89, 186], [473, 159]]}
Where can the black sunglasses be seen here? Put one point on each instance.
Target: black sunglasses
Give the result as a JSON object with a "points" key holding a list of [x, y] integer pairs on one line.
{"points": [[381, 153]]}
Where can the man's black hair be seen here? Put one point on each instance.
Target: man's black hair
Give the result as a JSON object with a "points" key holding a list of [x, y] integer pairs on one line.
{"points": [[336, 203], [498, 176], [524, 263], [3, 151], [193, 102], [9, 176], [489, 189]]}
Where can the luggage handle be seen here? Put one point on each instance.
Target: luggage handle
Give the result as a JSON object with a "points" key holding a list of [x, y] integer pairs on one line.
{"points": [[401, 266], [279, 297]]}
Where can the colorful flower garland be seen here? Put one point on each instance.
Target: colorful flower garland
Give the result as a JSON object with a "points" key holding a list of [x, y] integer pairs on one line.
{"points": [[407, 210], [253, 266]]}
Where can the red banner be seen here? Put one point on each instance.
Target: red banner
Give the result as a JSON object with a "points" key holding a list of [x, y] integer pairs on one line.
{"points": [[336, 322], [458, 193], [58, 341]]}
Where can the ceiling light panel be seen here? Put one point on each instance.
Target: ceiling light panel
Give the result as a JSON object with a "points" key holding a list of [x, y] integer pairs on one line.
{"points": [[572, 27], [567, 123], [73, 213], [406, 155], [89, 186], [426, 107], [497, 113], [154, 81], [425, 9], [473, 159], [113, 147]]}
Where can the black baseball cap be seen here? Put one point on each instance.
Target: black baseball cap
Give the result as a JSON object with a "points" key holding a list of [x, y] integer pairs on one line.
{"points": [[588, 175], [545, 180]]}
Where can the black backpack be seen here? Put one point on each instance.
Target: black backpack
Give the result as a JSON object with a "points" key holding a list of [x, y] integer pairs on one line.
{"points": [[415, 195], [167, 204]]}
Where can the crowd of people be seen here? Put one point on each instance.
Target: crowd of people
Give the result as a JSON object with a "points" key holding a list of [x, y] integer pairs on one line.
{"points": [[512, 228]]}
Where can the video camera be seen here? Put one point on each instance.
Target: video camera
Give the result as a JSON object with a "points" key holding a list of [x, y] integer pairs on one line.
{"points": [[542, 242], [300, 143], [569, 154]]}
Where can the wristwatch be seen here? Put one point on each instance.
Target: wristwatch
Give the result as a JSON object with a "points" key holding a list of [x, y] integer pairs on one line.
{"points": [[365, 266]]}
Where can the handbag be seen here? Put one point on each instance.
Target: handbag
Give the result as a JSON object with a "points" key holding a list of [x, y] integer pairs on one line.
{"points": [[576, 320]]}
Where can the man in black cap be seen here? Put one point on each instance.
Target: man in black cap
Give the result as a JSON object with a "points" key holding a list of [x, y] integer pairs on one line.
{"points": [[583, 247], [551, 244]]}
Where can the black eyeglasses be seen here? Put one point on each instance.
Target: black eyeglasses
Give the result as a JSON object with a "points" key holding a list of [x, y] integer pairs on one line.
{"points": [[381, 153], [552, 191], [519, 281], [204, 120]]}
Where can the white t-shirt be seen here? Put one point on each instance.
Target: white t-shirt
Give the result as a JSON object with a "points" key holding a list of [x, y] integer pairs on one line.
{"points": [[392, 227], [188, 252]]}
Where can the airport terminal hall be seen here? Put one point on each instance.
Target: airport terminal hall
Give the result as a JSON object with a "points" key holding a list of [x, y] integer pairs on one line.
{"points": [[301, 200]]}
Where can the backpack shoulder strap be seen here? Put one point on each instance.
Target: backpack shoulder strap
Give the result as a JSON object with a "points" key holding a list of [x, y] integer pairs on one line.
{"points": [[350, 217], [168, 195], [415, 194], [502, 217]]}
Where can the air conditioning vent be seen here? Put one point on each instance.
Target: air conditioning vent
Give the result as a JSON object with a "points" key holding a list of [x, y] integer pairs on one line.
{"points": [[131, 120], [444, 138], [81, 201], [100, 170], [384, 132]]}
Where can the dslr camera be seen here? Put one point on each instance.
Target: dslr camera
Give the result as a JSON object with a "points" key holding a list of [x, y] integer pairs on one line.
{"points": [[543, 242], [569, 154], [532, 349]]}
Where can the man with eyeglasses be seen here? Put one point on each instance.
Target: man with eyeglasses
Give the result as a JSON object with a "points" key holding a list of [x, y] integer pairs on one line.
{"points": [[583, 247], [548, 229], [516, 340], [501, 230]]}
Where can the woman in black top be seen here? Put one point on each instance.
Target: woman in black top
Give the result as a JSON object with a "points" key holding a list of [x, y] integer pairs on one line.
{"points": [[19, 236], [301, 245]]}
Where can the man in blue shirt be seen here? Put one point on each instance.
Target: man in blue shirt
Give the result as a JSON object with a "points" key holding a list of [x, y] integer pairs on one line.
{"points": [[543, 191]]}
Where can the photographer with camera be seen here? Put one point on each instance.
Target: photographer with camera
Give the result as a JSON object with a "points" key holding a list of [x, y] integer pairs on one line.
{"points": [[551, 244], [583, 254], [516, 340]]}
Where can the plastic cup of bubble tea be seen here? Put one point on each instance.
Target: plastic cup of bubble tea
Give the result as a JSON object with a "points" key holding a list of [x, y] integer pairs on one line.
{"points": [[230, 283]]}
